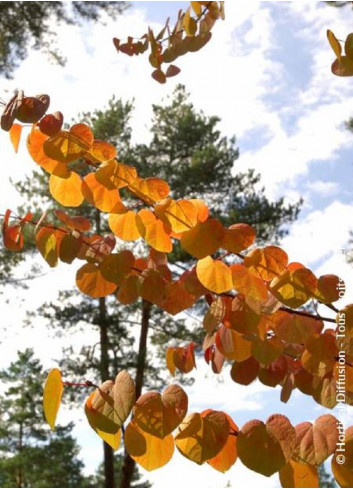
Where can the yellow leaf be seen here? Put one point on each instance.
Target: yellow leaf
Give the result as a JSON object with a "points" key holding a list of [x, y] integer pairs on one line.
{"points": [[53, 389], [214, 275]]}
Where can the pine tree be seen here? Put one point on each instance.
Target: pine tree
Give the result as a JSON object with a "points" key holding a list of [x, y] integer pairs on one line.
{"points": [[30, 455]]}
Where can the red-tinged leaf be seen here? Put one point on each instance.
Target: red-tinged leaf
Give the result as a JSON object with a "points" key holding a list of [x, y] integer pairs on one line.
{"points": [[159, 76], [203, 239], [342, 67], [53, 389], [73, 222], [295, 474], [160, 414], [241, 317], [330, 288], [316, 442], [275, 441], [335, 44], [184, 358], [124, 225], [214, 275], [214, 315], [227, 457], [238, 237], [245, 372], [31, 109], [232, 345], [90, 281], [15, 135], [293, 328], [147, 450], [172, 70], [51, 123], [152, 287], [176, 298], [12, 235], [274, 373], [67, 190], [247, 283]]}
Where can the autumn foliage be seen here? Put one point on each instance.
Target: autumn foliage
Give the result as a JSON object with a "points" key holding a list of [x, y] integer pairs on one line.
{"points": [[254, 318]]}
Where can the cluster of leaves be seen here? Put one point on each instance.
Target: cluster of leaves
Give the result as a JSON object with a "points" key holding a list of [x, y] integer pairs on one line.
{"points": [[343, 64], [210, 436], [251, 320], [189, 34]]}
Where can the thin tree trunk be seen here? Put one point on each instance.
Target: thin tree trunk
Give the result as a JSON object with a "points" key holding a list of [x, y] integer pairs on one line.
{"points": [[20, 448], [128, 463], [108, 453], [104, 366]]}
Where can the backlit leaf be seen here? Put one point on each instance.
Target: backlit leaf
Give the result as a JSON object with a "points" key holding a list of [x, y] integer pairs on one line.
{"points": [[247, 283], [147, 450], [159, 414], [67, 190], [15, 135], [275, 441], [68, 146], [99, 196], [53, 389], [238, 237], [214, 275], [124, 225], [90, 281], [296, 474], [204, 239]]}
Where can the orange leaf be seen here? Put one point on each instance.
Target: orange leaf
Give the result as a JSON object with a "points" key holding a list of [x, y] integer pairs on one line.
{"points": [[116, 175], [343, 472], [232, 344], [228, 454], [275, 440], [68, 146], [267, 262], [108, 407], [117, 266], [105, 199], [319, 356], [159, 414], [203, 239], [67, 190], [150, 190], [330, 288], [184, 358], [53, 389], [35, 141], [334, 43], [181, 215], [100, 152], [245, 372], [129, 290], [90, 281], [294, 286], [201, 437], [238, 237], [214, 275], [296, 329], [15, 135], [12, 235], [296, 474], [147, 450], [124, 225], [247, 283], [154, 231]]}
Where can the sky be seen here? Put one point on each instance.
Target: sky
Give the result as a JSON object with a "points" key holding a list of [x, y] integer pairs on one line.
{"points": [[266, 74]]}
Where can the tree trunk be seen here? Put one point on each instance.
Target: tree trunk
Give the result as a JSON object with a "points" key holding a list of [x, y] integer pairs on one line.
{"points": [[128, 463], [104, 367], [20, 448], [108, 453]]}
